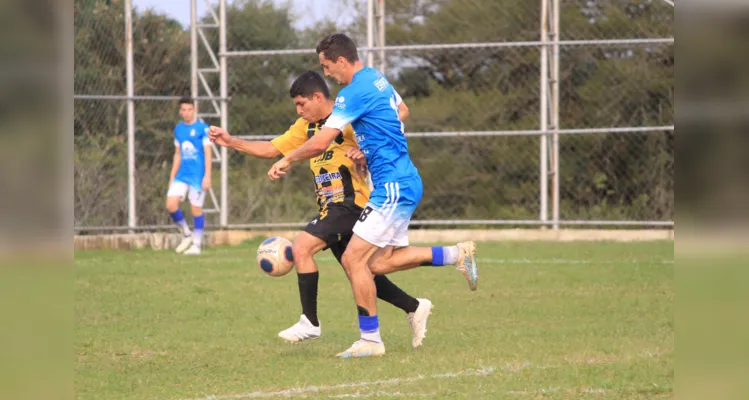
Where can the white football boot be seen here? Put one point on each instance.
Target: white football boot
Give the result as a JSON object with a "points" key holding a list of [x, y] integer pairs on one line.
{"points": [[192, 251], [184, 244], [301, 331], [418, 321], [467, 263], [363, 348]]}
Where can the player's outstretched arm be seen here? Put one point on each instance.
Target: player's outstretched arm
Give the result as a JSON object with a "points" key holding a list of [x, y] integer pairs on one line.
{"points": [[256, 149], [311, 148]]}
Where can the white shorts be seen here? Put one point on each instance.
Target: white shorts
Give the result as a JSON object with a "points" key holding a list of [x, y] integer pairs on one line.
{"points": [[180, 189], [376, 228], [385, 219]]}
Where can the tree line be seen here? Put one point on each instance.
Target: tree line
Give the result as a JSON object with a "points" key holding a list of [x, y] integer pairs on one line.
{"points": [[602, 176]]}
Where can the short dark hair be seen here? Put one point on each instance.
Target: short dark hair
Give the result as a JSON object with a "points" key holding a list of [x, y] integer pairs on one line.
{"points": [[307, 84], [186, 100], [338, 45]]}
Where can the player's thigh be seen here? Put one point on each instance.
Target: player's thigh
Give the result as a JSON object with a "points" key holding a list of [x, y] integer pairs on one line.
{"points": [[172, 203], [380, 258], [382, 253], [335, 226], [176, 193], [197, 199], [358, 253]]}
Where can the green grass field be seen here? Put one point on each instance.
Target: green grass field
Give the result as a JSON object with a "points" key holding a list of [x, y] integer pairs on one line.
{"points": [[549, 320]]}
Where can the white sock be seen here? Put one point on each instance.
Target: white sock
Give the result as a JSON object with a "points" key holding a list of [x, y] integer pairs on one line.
{"points": [[197, 237], [372, 336], [450, 255], [185, 228]]}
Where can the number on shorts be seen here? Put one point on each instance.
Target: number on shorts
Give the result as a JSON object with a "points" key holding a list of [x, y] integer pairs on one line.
{"points": [[364, 214]]}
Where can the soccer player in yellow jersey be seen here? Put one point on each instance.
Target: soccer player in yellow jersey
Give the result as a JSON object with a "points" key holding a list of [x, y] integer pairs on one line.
{"points": [[342, 192]]}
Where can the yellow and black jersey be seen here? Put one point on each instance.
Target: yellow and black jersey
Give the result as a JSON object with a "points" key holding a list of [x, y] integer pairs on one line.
{"points": [[335, 179]]}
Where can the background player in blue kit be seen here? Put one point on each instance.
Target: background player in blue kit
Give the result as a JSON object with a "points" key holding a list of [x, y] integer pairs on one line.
{"points": [[190, 176], [369, 104]]}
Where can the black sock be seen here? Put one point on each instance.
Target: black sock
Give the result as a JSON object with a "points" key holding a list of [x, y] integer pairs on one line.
{"points": [[308, 295], [388, 291]]}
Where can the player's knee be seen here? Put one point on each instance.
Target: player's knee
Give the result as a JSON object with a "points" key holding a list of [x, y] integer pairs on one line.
{"points": [[378, 266], [171, 205], [348, 260], [300, 251]]}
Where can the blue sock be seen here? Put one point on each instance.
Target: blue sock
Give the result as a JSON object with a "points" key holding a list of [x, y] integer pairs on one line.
{"points": [[177, 216], [197, 234], [437, 256], [444, 255], [179, 219], [369, 326]]}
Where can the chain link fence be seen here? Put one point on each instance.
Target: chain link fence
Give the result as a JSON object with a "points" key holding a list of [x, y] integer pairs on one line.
{"points": [[618, 174], [469, 71]]}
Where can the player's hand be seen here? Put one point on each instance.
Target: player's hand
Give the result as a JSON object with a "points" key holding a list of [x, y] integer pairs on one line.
{"points": [[279, 169], [206, 182], [360, 161], [219, 136]]}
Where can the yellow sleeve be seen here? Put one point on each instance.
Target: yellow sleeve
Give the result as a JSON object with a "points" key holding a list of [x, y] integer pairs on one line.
{"points": [[349, 134], [292, 139]]}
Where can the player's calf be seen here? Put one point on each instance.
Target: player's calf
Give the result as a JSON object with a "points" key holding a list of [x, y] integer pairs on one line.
{"points": [[197, 233]]}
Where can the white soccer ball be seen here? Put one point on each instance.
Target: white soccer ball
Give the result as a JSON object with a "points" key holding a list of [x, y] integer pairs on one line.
{"points": [[274, 256]]}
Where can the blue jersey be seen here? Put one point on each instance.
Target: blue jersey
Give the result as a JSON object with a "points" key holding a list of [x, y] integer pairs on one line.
{"points": [[370, 104], [190, 140]]}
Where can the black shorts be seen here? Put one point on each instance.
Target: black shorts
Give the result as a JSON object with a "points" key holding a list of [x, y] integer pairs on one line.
{"points": [[336, 228]]}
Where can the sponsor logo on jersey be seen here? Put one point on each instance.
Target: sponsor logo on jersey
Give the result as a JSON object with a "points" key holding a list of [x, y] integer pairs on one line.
{"points": [[381, 84], [322, 178], [189, 152]]}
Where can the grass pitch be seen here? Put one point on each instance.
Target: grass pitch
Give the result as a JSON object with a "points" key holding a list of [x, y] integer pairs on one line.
{"points": [[549, 320]]}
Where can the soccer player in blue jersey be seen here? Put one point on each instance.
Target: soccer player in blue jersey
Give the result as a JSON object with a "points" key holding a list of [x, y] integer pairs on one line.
{"points": [[380, 240], [190, 176]]}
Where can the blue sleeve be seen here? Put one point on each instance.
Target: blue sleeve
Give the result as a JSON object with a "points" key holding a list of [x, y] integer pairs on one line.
{"points": [[349, 106], [206, 140]]}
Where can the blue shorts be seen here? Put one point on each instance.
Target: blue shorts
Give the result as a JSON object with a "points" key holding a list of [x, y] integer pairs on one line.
{"points": [[385, 219]]}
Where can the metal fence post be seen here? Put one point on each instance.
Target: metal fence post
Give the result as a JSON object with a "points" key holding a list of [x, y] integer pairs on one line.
{"points": [[132, 219], [224, 216]]}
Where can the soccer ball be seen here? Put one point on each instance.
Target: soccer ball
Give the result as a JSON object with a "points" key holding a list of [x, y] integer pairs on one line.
{"points": [[274, 256]]}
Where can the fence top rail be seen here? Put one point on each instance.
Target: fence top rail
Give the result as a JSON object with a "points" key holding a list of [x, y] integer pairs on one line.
{"points": [[598, 42], [533, 132], [143, 97], [458, 222]]}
